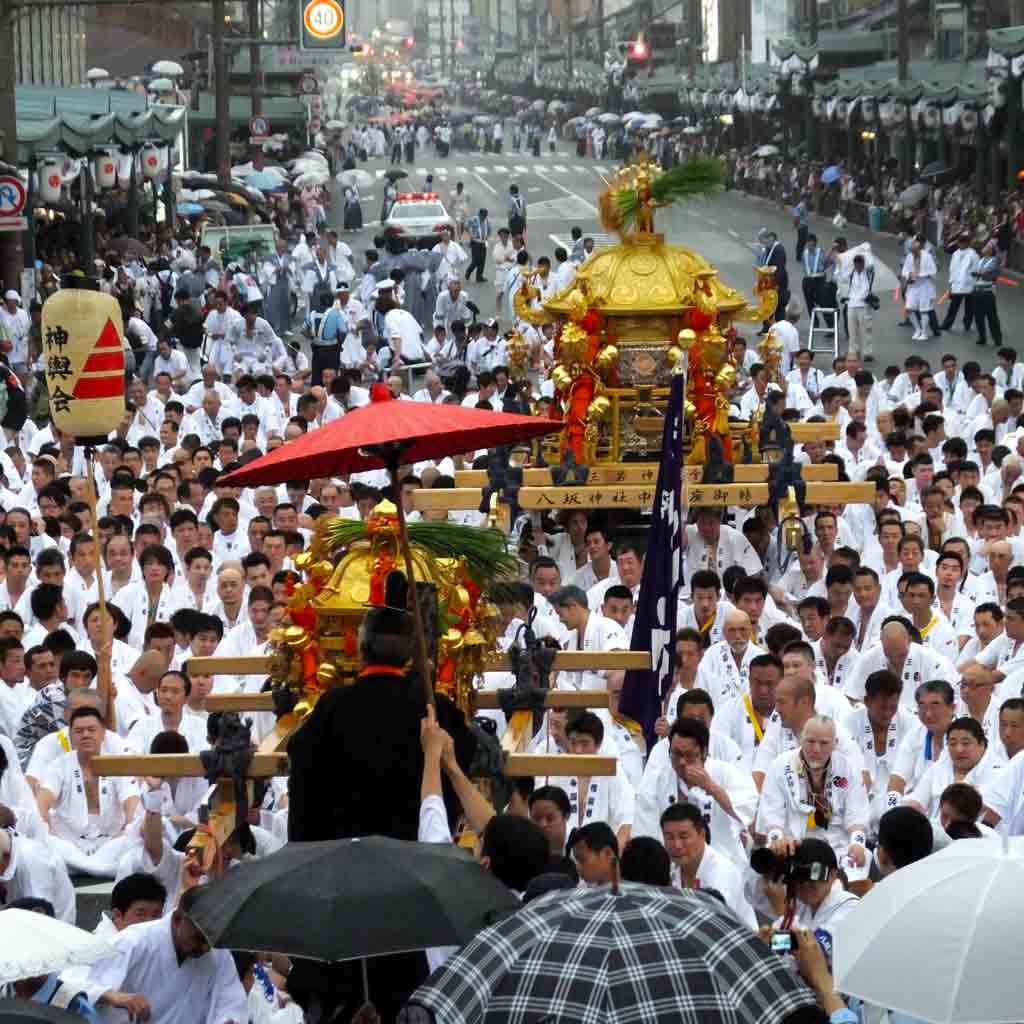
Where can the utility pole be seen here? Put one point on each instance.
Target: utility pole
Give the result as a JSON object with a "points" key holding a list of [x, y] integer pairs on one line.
{"points": [[11, 256], [451, 12], [222, 98], [442, 40], [600, 31], [812, 23], [255, 58], [902, 41]]}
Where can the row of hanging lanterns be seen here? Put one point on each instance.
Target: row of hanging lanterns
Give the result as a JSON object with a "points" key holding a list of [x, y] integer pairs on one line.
{"points": [[105, 170]]}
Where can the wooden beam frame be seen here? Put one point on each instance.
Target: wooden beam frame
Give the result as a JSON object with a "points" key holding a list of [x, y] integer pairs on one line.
{"points": [[565, 661], [518, 766], [178, 766], [484, 700], [647, 473]]}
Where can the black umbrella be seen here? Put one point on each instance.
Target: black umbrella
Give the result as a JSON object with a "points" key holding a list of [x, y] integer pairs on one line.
{"points": [[351, 898], [644, 954], [24, 1011], [395, 175], [936, 173]]}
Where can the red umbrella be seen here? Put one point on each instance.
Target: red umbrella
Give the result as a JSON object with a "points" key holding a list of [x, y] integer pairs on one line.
{"points": [[386, 434]]}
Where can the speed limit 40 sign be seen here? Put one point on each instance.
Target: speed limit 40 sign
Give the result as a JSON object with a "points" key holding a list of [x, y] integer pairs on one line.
{"points": [[323, 24]]}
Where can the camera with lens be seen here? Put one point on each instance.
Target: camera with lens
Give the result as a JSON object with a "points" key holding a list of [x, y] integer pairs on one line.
{"points": [[811, 861]]}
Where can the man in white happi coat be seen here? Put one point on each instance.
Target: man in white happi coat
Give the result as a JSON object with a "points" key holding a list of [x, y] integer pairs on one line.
{"points": [[707, 610], [724, 793], [817, 791], [601, 798], [896, 652], [29, 869], [89, 816], [744, 719], [968, 759], [588, 632], [797, 700], [711, 545], [695, 865], [878, 727], [164, 972], [834, 655], [171, 694], [724, 668]]}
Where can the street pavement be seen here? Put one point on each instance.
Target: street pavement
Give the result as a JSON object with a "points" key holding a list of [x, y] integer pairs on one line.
{"points": [[562, 190]]}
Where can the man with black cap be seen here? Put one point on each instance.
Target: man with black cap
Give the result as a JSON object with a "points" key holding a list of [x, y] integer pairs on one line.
{"points": [[356, 761], [357, 768], [821, 899]]}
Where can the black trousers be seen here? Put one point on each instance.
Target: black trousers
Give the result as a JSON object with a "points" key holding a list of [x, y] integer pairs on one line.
{"points": [[812, 287], [985, 312], [478, 254], [324, 357], [955, 301], [801, 240]]}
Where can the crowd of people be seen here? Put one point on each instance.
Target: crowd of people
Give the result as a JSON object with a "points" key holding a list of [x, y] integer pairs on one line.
{"points": [[857, 698]]}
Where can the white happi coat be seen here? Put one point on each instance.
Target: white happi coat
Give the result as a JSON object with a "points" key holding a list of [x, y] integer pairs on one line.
{"points": [[719, 674], [203, 990], [661, 789], [786, 801], [69, 816]]}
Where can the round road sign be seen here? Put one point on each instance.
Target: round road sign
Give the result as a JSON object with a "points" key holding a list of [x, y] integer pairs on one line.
{"points": [[323, 19], [259, 126], [12, 196]]}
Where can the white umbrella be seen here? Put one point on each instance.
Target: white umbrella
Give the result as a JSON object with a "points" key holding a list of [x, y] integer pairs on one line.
{"points": [[34, 944], [632, 115], [309, 179], [766, 151], [609, 119], [335, 126], [96, 74], [307, 167], [593, 111], [936, 940], [360, 179], [312, 154], [168, 67], [160, 85], [693, 130]]}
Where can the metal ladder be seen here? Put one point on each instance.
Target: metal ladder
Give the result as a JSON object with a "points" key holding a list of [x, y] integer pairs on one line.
{"points": [[823, 331]]}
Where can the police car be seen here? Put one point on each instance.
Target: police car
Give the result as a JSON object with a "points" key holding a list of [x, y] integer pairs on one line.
{"points": [[416, 217]]}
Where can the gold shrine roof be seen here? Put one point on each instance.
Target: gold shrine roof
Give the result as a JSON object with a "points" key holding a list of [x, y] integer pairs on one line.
{"points": [[643, 274]]}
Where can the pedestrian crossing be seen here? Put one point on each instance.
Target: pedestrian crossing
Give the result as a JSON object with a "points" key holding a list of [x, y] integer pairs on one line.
{"points": [[443, 172], [601, 241]]}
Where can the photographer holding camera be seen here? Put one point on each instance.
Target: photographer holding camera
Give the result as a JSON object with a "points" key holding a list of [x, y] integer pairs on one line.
{"points": [[801, 882]]}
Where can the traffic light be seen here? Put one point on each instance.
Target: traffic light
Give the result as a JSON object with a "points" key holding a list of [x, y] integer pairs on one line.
{"points": [[409, 42], [638, 50]]}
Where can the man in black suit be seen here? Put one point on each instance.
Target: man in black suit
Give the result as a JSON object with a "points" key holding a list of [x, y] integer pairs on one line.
{"points": [[773, 254]]}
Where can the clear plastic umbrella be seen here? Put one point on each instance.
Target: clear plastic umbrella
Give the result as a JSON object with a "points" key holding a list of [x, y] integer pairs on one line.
{"points": [[171, 68], [355, 178]]}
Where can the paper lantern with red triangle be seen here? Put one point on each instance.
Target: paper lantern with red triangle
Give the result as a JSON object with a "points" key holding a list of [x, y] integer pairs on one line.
{"points": [[83, 358], [49, 180]]}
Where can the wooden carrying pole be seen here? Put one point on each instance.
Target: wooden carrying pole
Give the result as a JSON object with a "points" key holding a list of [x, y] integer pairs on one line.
{"points": [[104, 680]]}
